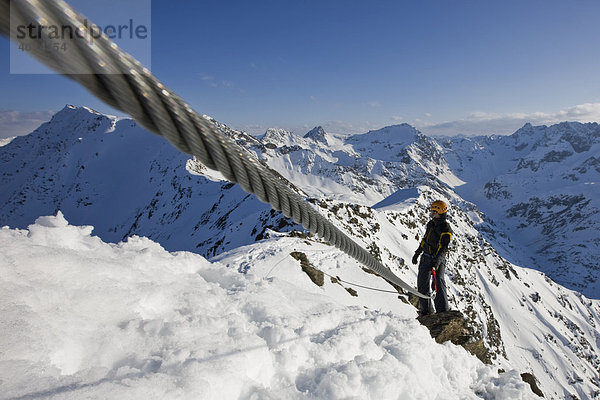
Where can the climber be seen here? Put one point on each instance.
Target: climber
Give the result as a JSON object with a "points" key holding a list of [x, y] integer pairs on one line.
{"points": [[433, 248]]}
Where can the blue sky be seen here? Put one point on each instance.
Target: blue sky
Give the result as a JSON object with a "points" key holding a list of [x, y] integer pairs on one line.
{"points": [[445, 67]]}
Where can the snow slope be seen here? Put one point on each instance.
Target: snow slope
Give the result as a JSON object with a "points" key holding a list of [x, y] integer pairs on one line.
{"points": [[82, 318], [539, 186], [5, 141], [109, 173], [526, 321], [112, 173], [362, 169]]}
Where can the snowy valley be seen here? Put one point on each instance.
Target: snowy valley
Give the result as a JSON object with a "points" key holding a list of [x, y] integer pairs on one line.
{"points": [[128, 311]]}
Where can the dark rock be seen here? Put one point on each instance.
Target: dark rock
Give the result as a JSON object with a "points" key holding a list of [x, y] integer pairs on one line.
{"points": [[454, 327], [314, 274], [530, 378]]}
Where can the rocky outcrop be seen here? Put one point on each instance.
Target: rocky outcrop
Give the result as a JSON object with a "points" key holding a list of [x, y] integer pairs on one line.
{"points": [[454, 327]]}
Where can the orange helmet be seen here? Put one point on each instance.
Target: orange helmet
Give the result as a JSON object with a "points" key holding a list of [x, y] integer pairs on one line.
{"points": [[439, 207]]}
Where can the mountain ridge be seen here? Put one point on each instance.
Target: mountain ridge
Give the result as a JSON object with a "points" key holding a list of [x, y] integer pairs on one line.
{"points": [[539, 184], [178, 203]]}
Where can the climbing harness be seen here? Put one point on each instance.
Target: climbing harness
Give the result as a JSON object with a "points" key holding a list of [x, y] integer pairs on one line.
{"points": [[122, 82]]}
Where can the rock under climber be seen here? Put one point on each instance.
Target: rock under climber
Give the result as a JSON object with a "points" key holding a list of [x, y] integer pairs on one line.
{"points": [[433, 249]]}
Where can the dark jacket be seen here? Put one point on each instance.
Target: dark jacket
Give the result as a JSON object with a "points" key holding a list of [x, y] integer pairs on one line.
{"points": [[436, 239]]}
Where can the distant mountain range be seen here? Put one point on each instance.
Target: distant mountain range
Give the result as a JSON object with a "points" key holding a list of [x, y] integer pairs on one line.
{"points": [[540, 188], [518, 204]]}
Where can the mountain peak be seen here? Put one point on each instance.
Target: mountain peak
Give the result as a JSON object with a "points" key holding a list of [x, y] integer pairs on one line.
{"points": [[317, 134], [277, 136], [72, 114], [525, 130], [70, 109], [397, 130], [402, 134], [580, 136], [73, 122]]}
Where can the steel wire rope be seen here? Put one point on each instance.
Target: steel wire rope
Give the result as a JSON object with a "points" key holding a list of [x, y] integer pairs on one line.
{"points": [[122, 82]]}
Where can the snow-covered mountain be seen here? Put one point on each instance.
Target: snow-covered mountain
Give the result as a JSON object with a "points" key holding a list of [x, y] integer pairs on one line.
{"points": [[110, 173], [361, 168], [538, 186]]}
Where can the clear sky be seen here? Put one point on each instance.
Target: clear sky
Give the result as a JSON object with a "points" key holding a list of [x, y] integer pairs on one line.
{"points": [[445, 67]]}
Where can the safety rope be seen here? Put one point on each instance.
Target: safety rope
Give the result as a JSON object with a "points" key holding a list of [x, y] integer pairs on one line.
{"points": [[331, 276], [360, 286], [123, 83]]}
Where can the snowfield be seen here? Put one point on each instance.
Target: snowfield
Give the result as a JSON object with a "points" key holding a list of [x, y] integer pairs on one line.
{"points": [[82, 318]]}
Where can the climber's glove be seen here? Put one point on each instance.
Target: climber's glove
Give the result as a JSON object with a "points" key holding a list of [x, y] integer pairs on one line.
{"points": [[415, 258]]}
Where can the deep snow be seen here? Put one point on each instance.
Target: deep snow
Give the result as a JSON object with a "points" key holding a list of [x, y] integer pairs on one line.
{"points": [[86, 319], [112, 174]]}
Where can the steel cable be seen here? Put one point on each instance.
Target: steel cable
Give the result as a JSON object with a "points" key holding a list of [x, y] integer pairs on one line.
{"points": [[122, 82]]}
